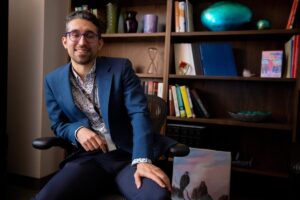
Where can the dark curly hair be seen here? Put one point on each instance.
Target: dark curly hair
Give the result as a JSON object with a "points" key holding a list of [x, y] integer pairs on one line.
{"points": [[84, 15]]}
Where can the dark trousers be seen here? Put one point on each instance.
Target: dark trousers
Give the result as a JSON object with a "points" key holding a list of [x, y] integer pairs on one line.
{"points": [[92, 175]]}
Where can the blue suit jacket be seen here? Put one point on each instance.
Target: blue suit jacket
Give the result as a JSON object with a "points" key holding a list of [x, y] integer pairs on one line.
{"points": [[123, 107]]}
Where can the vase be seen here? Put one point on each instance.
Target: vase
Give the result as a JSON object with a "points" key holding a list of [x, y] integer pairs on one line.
{"points": [[112, 17], [130, 23]]}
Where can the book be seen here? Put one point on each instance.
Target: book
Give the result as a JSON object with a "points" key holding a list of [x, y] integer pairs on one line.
{"points": [[202, 174], [184, 60], [182, 111], [189, 22], [174, 93], [295, 58], [190, 101], [176, 11], [217, 59], [197, 59], [271, 63], [171, 102], [197, 109], [200, 103], [160, 89], [181, 6], [292, 15], [288, 51], [185, 100]]}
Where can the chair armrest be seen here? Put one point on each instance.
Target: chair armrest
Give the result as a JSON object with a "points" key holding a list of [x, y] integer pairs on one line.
{"points": [[179, 150], [48, 142]]}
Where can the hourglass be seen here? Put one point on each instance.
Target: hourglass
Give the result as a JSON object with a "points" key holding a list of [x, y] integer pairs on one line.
{"points": [[152, 68]]}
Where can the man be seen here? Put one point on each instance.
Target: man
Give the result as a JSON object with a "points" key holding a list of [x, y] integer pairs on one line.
{"points": [[98, 104]]}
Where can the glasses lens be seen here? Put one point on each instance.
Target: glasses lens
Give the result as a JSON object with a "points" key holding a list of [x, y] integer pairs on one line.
{"points": [[75, 36]]}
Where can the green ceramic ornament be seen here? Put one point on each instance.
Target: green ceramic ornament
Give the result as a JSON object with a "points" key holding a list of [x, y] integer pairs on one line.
{"points": [[263, 24], [225, 15]]}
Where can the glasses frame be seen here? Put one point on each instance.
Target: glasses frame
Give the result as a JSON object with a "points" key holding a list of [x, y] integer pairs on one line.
{"points": [[89, 40]]}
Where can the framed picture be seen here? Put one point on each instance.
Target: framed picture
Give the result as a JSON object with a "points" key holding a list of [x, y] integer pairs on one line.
{"points": [[203, 174], [271, 64]]}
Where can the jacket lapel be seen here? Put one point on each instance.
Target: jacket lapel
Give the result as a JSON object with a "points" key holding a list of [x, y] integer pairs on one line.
{"points": [[104, 80], [66, 93]]}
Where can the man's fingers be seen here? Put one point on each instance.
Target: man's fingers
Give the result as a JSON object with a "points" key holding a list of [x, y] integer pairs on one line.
{"points": [[164, 178], [102, 144], [137, 180], [154, 173]]}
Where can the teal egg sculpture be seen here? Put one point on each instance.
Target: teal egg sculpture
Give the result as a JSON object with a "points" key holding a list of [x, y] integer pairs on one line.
{"points": [[225, 15]]}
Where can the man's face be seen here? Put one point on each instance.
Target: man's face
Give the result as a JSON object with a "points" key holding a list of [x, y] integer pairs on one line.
{"points": [[84, 48]]}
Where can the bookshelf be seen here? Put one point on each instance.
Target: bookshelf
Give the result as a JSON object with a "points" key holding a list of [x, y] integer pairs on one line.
{"points": [[267, 142]]}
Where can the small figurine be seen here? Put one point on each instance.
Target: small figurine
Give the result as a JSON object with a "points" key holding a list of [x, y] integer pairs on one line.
{"points": [[247, 73], [263, 24]]}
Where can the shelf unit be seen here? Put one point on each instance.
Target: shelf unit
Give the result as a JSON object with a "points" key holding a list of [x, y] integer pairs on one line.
{"points": [[267, 142]]}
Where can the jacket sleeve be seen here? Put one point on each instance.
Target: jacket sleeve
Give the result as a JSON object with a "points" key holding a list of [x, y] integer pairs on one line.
{"points": [[60, 123], [136, 105]]}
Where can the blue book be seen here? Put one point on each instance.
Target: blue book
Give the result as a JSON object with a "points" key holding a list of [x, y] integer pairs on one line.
{"points": [[217, 59]]}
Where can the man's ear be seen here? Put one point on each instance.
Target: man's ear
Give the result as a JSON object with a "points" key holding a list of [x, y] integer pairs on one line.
{"points": [[100, 44], [64, 41]]}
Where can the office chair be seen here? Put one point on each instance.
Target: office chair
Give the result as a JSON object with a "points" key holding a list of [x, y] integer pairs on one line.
{"points": [[158, 113]]}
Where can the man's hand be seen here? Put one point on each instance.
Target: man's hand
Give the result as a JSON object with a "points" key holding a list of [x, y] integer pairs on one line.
{"points": [[152, 172], [91, 141]]}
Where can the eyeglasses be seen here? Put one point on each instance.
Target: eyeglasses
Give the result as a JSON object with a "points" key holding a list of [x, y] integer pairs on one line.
{"points": [[75, 36]]}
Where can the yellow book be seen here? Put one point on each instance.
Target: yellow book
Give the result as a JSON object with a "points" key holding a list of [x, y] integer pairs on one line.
{"points": [[185, 99]]}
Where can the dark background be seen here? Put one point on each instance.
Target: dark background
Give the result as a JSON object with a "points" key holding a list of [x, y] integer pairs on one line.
{"points": [[3, 86]]}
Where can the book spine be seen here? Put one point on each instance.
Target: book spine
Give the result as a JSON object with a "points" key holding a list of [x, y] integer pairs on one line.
{"points": [[177, 113], [185, 100], [189, 22], [176, 8], [160, 89], [295, 57], [288, 48], [171, 103], [155, 88], [190, 102], [181, 6], [180, 102], [200, 103], [150, 88]]}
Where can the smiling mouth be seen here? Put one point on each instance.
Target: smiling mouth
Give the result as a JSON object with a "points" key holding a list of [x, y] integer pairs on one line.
{"points": [[82, 51]]}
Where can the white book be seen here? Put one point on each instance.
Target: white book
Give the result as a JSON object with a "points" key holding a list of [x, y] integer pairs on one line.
{"points": [[183, 53], [160, 89], [174, 93]]}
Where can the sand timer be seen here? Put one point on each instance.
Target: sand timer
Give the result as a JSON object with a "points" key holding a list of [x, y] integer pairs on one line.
{"points": [[152, 68]]}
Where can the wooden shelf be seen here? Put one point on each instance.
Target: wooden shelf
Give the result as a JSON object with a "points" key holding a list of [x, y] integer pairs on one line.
{"points": [[231, 122], [223, 78], [117, 37], [261, 172], [158, 76], [248, 33]]}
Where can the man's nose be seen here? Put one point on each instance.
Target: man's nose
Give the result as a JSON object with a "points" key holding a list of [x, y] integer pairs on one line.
{"points": [[82, 39]]}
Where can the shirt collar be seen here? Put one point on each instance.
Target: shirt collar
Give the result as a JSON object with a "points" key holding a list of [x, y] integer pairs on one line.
{"points": [[88, 77]]}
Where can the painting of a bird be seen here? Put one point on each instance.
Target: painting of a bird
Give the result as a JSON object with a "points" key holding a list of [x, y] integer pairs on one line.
{"points": [[184, 181]]}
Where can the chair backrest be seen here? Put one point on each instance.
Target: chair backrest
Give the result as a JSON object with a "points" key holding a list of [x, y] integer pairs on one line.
{"points": [[158, 111]]}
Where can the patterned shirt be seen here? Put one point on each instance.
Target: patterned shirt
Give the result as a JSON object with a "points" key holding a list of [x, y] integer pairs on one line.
{"points": [[85, 94]]}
